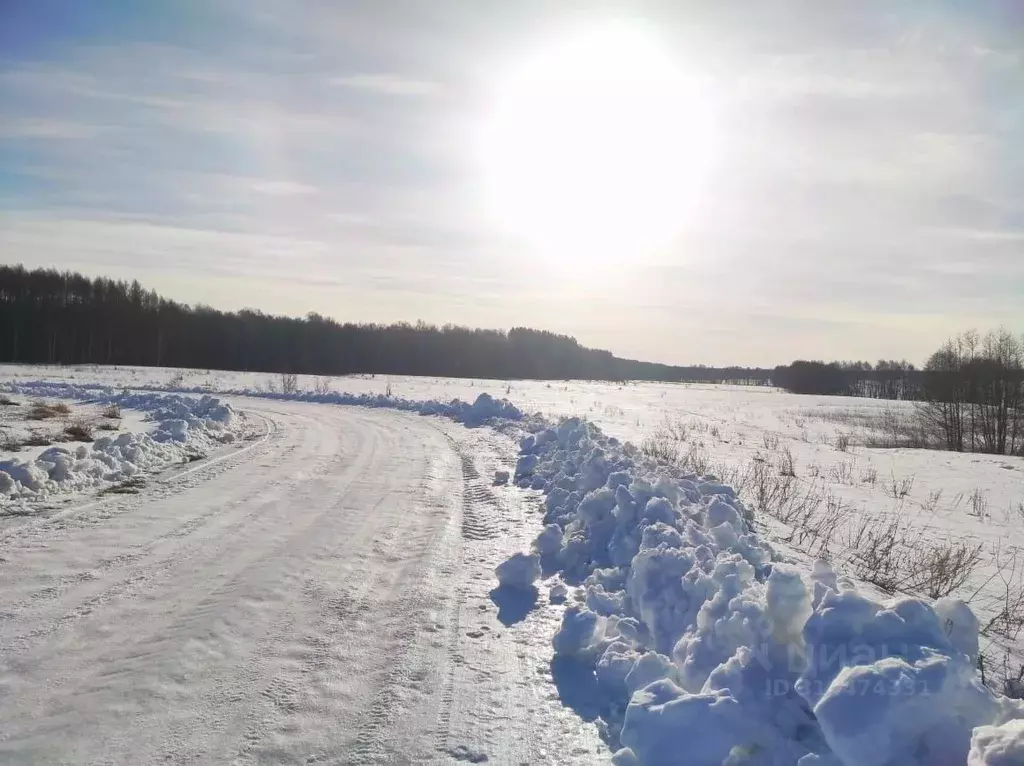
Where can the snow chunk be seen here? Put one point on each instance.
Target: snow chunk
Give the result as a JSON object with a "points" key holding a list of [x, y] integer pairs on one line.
{"points": [[520, 571], [558, 593], [579, 633], [960, 624], [486, 407], [526, 464], [888, 685], [28, 476], [789, 603], [894, 711], [172, 430], [647, 669], [615, 665], [549, 542], [663, 723], [997, 745]]}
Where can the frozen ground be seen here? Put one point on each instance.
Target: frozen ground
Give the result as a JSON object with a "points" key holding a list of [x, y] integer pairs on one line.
{"points": [[934, 498]]}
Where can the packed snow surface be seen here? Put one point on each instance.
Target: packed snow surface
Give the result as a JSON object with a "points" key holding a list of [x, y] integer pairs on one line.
{"points": [[319, 593]]}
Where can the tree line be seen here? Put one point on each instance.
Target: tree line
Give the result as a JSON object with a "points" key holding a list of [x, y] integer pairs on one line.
{"points": [[974, 393], [969, 393], [887, 379], [53, 317]]}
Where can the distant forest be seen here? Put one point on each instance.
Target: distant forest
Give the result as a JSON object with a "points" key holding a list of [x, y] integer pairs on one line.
{"points": [[54, 317], [886, 379]]}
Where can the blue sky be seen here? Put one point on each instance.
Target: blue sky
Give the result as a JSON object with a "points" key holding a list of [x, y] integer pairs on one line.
{"points": [[867, 200]]}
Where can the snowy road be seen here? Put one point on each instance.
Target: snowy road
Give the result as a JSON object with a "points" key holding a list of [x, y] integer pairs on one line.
{"points": [[318, 596]]}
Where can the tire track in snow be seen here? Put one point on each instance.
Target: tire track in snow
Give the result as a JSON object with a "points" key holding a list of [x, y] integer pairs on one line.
{"points": [[419, 633], [115, 508], [478, 510], [140, 570], [180, 556]]}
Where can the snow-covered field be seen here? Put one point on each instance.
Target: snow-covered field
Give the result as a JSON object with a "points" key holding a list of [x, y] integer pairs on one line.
{"points": [[675, 595]]}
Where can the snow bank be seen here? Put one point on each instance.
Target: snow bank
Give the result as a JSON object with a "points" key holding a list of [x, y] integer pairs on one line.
{"points": [[185, 426], [484, 410], [706, 651]]}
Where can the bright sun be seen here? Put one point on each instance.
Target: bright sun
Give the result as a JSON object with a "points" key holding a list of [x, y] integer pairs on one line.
{"points": [[595, 148]]}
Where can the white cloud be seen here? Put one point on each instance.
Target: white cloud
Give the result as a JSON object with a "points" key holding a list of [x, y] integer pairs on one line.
{"points": [[982, 235], [388, 84], [281, 188], [48, 128]]}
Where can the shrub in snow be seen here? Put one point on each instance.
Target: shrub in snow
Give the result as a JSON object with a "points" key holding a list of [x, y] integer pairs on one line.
{"points": [[520, 571], [707, 652]]}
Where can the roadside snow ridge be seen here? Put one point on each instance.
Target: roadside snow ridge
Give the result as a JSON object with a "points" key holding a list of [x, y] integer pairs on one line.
{"points": [[708, 652], [186, 427]]}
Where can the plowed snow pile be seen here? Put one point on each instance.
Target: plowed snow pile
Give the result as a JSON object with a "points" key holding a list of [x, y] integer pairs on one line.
{"points": [[185, 427], [707, 653]]}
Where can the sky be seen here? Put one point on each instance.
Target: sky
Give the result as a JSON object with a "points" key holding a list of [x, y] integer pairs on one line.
{"points": [[865, 198]]}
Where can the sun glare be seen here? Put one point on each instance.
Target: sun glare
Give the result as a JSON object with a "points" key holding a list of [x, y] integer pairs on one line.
{"points": [[596, 146]]}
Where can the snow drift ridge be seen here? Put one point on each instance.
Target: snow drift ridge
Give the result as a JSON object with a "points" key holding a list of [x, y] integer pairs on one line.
{"points": [[186, 426], [707, 652]]}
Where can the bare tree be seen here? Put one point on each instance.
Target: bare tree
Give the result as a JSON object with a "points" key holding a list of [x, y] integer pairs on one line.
{"points": [[974, 393], [942, 412]]}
